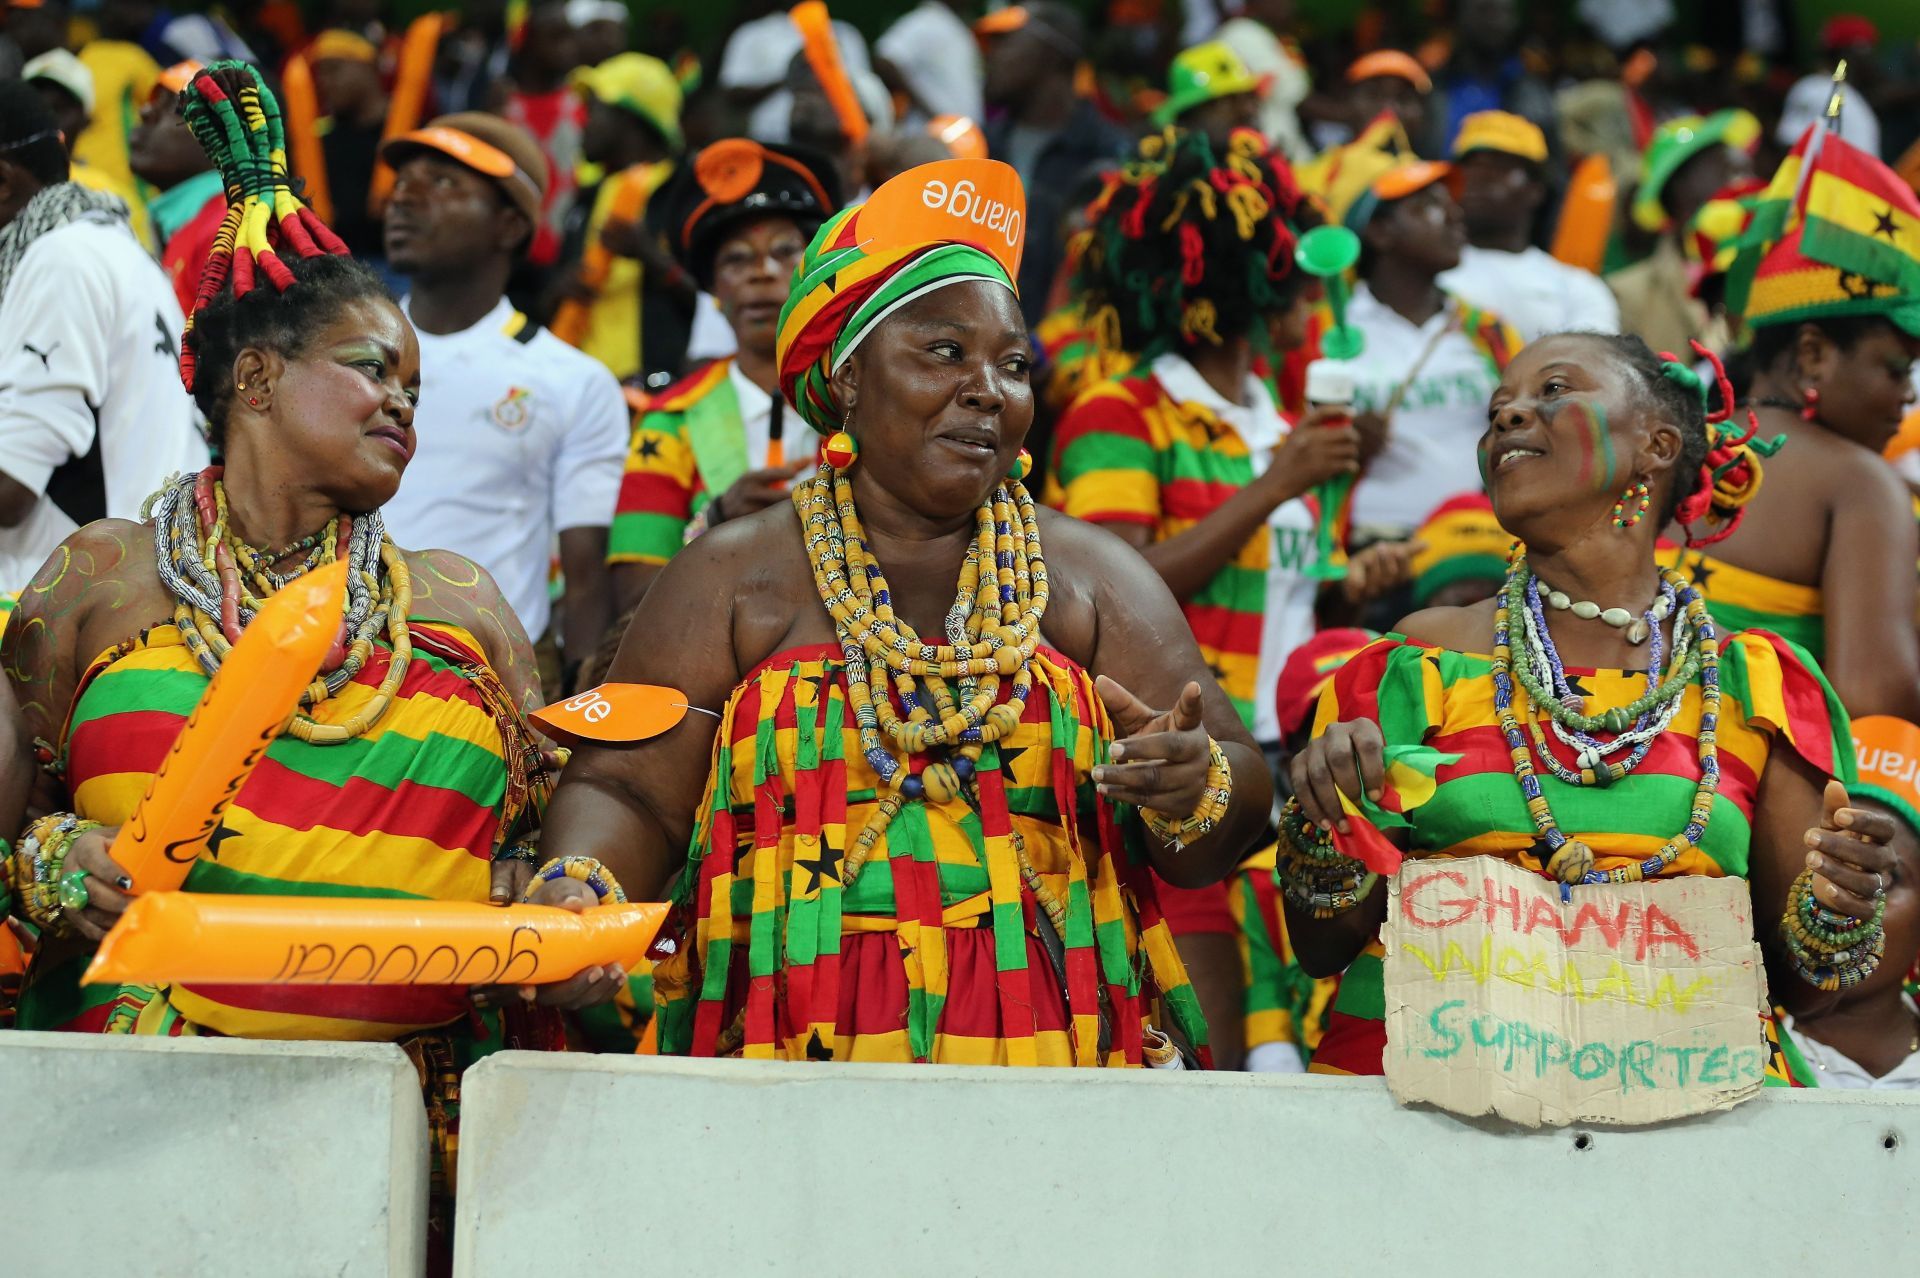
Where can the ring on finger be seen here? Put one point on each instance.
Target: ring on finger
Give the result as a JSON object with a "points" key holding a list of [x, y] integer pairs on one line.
{"points": [[74, 896]]}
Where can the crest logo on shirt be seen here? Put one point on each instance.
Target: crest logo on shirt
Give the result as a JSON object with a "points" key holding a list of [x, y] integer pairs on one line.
{"points": [[514, 408]]}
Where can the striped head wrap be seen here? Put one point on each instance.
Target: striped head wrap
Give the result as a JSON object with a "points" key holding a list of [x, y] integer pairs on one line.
{"points": [[932, 226]]}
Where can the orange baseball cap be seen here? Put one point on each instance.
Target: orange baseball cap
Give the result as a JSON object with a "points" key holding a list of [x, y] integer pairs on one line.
{"points": [[177, 77], [486, 144], [1390, 62], [1001, 21]]}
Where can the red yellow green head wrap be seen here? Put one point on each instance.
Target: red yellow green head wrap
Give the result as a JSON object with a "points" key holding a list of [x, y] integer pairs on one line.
{"points": [[1464, 542], [931, 226]]}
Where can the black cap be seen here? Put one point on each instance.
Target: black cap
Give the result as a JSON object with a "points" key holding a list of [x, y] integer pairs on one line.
{"points": [[733, 181]]}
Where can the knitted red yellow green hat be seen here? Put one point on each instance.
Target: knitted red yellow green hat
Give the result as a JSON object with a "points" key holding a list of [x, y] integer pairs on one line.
{"points": [[931, 226], [1836, 233]]}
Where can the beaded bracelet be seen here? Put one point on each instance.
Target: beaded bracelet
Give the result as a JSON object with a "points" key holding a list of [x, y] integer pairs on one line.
{"points": [[1830, 950], [1214, 798], [1315, 878], [583, 869], [38, 863]]}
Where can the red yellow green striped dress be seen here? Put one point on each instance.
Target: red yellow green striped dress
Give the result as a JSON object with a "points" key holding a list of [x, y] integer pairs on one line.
{"points": [[1772, 694], [934, 950], [414, 808]]}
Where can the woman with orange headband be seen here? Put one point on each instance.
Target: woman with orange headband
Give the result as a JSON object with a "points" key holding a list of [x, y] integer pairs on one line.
{"points": [[953, 732]]}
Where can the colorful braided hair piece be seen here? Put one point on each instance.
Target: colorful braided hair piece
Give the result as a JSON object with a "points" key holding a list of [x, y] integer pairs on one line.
{"points": [[237, 122], [1730, 474], [1147, 252]]}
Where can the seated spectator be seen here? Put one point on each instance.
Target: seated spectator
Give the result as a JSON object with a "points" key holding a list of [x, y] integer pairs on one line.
{"points": [[1687, 161], [67, 86], [518, 436], [346, 77], [1463, 554], [1430, 359], [1392, 82], [542, 101], [192, 201], [718, 445], [1211, 92], [1488, 71], [614, 264], [92, 416], [1500, 175]]}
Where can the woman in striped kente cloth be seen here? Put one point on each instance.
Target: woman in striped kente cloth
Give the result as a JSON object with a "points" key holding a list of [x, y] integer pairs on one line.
{"points": [[408, 771], [918, 840], [1606, 728]]}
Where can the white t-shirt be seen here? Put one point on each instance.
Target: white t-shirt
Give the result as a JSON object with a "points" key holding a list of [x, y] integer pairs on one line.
{"points": [[1534, 291], [938, 56], [1807, 102], [797, 439], [1429, 455], [712, 337], [1286, 622], [92, 413], [1836, 1069], [1288, 83], [520, 438]]}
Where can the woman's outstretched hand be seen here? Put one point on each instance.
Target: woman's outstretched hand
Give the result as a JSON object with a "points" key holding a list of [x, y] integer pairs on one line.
{"points": [[1159, 757], [1345, 759], [588, 988], [1850, 854]]}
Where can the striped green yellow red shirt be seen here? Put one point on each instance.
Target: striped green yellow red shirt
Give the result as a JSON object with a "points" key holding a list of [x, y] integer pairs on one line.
{"points": [[1741, 599], [662, 489], [1128, 453], [410, 809], [1772, 695]]}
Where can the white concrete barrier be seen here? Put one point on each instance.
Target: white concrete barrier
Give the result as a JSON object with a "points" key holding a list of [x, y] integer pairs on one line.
{"points": [[584, 1166], [210, 1157]]}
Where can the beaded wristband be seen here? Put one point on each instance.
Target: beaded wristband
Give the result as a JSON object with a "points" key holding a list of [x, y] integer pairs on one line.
{"points": [[583, 869], [1315, 878], [38, 863], [1830, 950], [1214, 798]]}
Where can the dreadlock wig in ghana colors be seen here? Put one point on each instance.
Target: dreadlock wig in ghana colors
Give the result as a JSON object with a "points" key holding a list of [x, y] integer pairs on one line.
{"points": [[1186, 248]]}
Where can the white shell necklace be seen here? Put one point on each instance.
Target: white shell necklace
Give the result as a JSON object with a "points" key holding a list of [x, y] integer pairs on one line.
{"points": [[1619, 618]]}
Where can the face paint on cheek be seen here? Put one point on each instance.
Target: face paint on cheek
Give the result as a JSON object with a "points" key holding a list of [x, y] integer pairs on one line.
{"points": [[1589, 422]]}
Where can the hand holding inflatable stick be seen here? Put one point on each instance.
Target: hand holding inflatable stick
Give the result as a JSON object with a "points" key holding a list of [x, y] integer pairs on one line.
{"points": [[246, 705], [1329, 252]]}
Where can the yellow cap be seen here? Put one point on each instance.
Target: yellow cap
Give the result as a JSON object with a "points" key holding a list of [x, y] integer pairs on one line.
{"points": [[1501, 131], [637, 83], [347, 46]]}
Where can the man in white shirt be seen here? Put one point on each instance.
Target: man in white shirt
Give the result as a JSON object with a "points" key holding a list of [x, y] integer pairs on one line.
{"points": [[520, 435], [93, 417], [1431, 361], [937, 59], [1499, 159]]}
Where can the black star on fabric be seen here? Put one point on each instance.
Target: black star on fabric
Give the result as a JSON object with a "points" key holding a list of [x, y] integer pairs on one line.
{"points": [[1574, 686], [823, 868], [1540, 852], [219, 836], [1858, 286], [817, 1051], [649, 448], [1700, 571], [1008, 754], [819, 685], [1218, 672], [1885, 225]]}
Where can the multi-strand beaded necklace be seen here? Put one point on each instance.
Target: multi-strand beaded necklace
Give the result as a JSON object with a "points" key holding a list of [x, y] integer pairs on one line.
{"points": [[1695, 652], [950, 691], [218, 583]]}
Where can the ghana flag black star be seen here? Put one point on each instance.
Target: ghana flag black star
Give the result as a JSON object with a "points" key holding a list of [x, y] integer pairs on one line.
{"points": [[816, 1051], [218, 837], [1008, 754], [822, 868], [649, 448], [1858, 286], [1577, 689], [1885, 225], [1700, 571]]}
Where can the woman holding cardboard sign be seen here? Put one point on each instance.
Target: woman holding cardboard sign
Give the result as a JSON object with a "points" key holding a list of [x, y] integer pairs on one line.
{"points": [[1590, 722], [914, 848], [407, 770]]}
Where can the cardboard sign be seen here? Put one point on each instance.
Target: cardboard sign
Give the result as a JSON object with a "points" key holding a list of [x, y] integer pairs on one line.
{"points": [[1630, 1004], [199, 937], [613, 713], [977, 202]]}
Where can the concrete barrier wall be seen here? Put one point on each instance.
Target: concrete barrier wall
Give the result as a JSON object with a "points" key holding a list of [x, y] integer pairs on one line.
{"points": [[583, 1166], [210, 1158]]}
